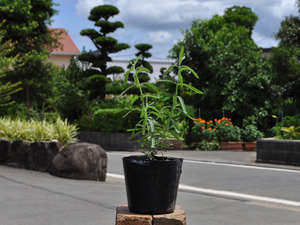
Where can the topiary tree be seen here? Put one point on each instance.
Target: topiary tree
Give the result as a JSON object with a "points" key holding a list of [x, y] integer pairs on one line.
{"points": [[143, 49], [97, 72]]}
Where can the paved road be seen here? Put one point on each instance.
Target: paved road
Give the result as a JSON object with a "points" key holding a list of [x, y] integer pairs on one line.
{"points": [[216, 188]]}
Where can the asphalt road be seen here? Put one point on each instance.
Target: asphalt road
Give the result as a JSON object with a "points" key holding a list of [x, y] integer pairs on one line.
{"points": [[213, 191]]}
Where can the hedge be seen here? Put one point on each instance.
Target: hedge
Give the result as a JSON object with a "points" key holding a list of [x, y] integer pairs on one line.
{"points": [[113, 120]]}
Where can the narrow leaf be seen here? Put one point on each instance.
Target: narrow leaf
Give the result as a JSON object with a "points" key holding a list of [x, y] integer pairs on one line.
{"points": [[193, 89], [182, 105], [133, 100], [175, 126], [181, 57], [150, 85], [126, 76]]}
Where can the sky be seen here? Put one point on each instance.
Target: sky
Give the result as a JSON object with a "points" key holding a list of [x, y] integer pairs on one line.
{"points": [[159, 22]]}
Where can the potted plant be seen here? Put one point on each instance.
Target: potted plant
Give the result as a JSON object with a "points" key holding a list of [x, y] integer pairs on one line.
{"points": [[229, 136], [249, 135], [151, 180]]}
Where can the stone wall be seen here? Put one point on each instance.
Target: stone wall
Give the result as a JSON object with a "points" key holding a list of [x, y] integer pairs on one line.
{"points": [[271, 150], [33, 156], [110, 141]]}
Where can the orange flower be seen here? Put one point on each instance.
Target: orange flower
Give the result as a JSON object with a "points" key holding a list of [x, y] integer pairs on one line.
{"points": [[215, 129], [202, 128], [226, 124], [209, 128]]}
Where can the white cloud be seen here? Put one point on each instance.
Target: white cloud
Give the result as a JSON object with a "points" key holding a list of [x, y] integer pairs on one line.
{"points": [[159, 36], [84, 6], [264, 41], [284, 8]]}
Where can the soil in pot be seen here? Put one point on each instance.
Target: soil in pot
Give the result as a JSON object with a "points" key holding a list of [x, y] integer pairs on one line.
{"points": [[152, 185]]}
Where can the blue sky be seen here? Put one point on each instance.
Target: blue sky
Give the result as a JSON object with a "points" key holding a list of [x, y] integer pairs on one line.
{"points": [[158, 22]]}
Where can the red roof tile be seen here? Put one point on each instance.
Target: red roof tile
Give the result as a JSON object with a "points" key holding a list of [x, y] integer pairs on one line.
{"points": [[68, 45]]}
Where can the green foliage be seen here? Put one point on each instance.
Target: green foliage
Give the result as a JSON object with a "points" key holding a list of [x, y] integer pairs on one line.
{"points": [[284, 129], [105, 45], [206, 146], [68, 98], [157, 124], [289, 34], [241, 16], [291, 133], [111, 120], [234, 76], [143, 50], [26, 23], [34, 130], [6, 62], [251, 133]]}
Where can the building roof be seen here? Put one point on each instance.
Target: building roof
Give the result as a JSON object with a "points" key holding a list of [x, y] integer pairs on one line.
{"points": [[68, 45]]}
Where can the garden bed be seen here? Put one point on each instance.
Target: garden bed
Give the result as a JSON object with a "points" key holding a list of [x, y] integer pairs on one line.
{"points": [[271, 150]]}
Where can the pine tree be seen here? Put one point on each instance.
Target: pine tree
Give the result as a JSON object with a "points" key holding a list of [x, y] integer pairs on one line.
{"points": [[97, 72], [143, 49]]}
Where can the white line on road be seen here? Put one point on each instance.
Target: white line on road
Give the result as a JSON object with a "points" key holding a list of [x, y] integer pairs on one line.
{"points": [[226, 193], [230, 165], [244, 166]]}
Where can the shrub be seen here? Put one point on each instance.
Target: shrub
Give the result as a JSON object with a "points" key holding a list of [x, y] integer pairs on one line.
{"points": [[112, 120], [251, 133], [34, 130]]}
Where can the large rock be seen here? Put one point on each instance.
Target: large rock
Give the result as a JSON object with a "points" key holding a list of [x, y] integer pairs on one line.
{"points": [[81, 160]]}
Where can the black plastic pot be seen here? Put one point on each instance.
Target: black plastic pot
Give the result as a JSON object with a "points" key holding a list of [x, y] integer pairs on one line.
{"points": [[152, 185]]}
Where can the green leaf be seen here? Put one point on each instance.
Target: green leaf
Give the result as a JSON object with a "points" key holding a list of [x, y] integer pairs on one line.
{"points": [[190, 69], [126, 76], [175, 126], [133, 100], [142, 69], [180, 78], [182, 104], [125, 91], [181, 56], [193, 89], [150, 85], [151, 123]]}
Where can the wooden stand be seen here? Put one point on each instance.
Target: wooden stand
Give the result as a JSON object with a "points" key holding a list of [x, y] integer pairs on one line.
{"points": [[124, 217]]}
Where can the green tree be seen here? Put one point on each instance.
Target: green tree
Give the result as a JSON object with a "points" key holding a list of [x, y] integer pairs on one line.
{"points": [[26, 23], [143, 50], [105, 45], [241, 16], [285, 60], [6, 63], [289, 32], [69, 99], [233, 74]]}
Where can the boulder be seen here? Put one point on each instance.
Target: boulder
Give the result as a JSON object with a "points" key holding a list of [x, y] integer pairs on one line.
{"points": [[80, 160]]}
